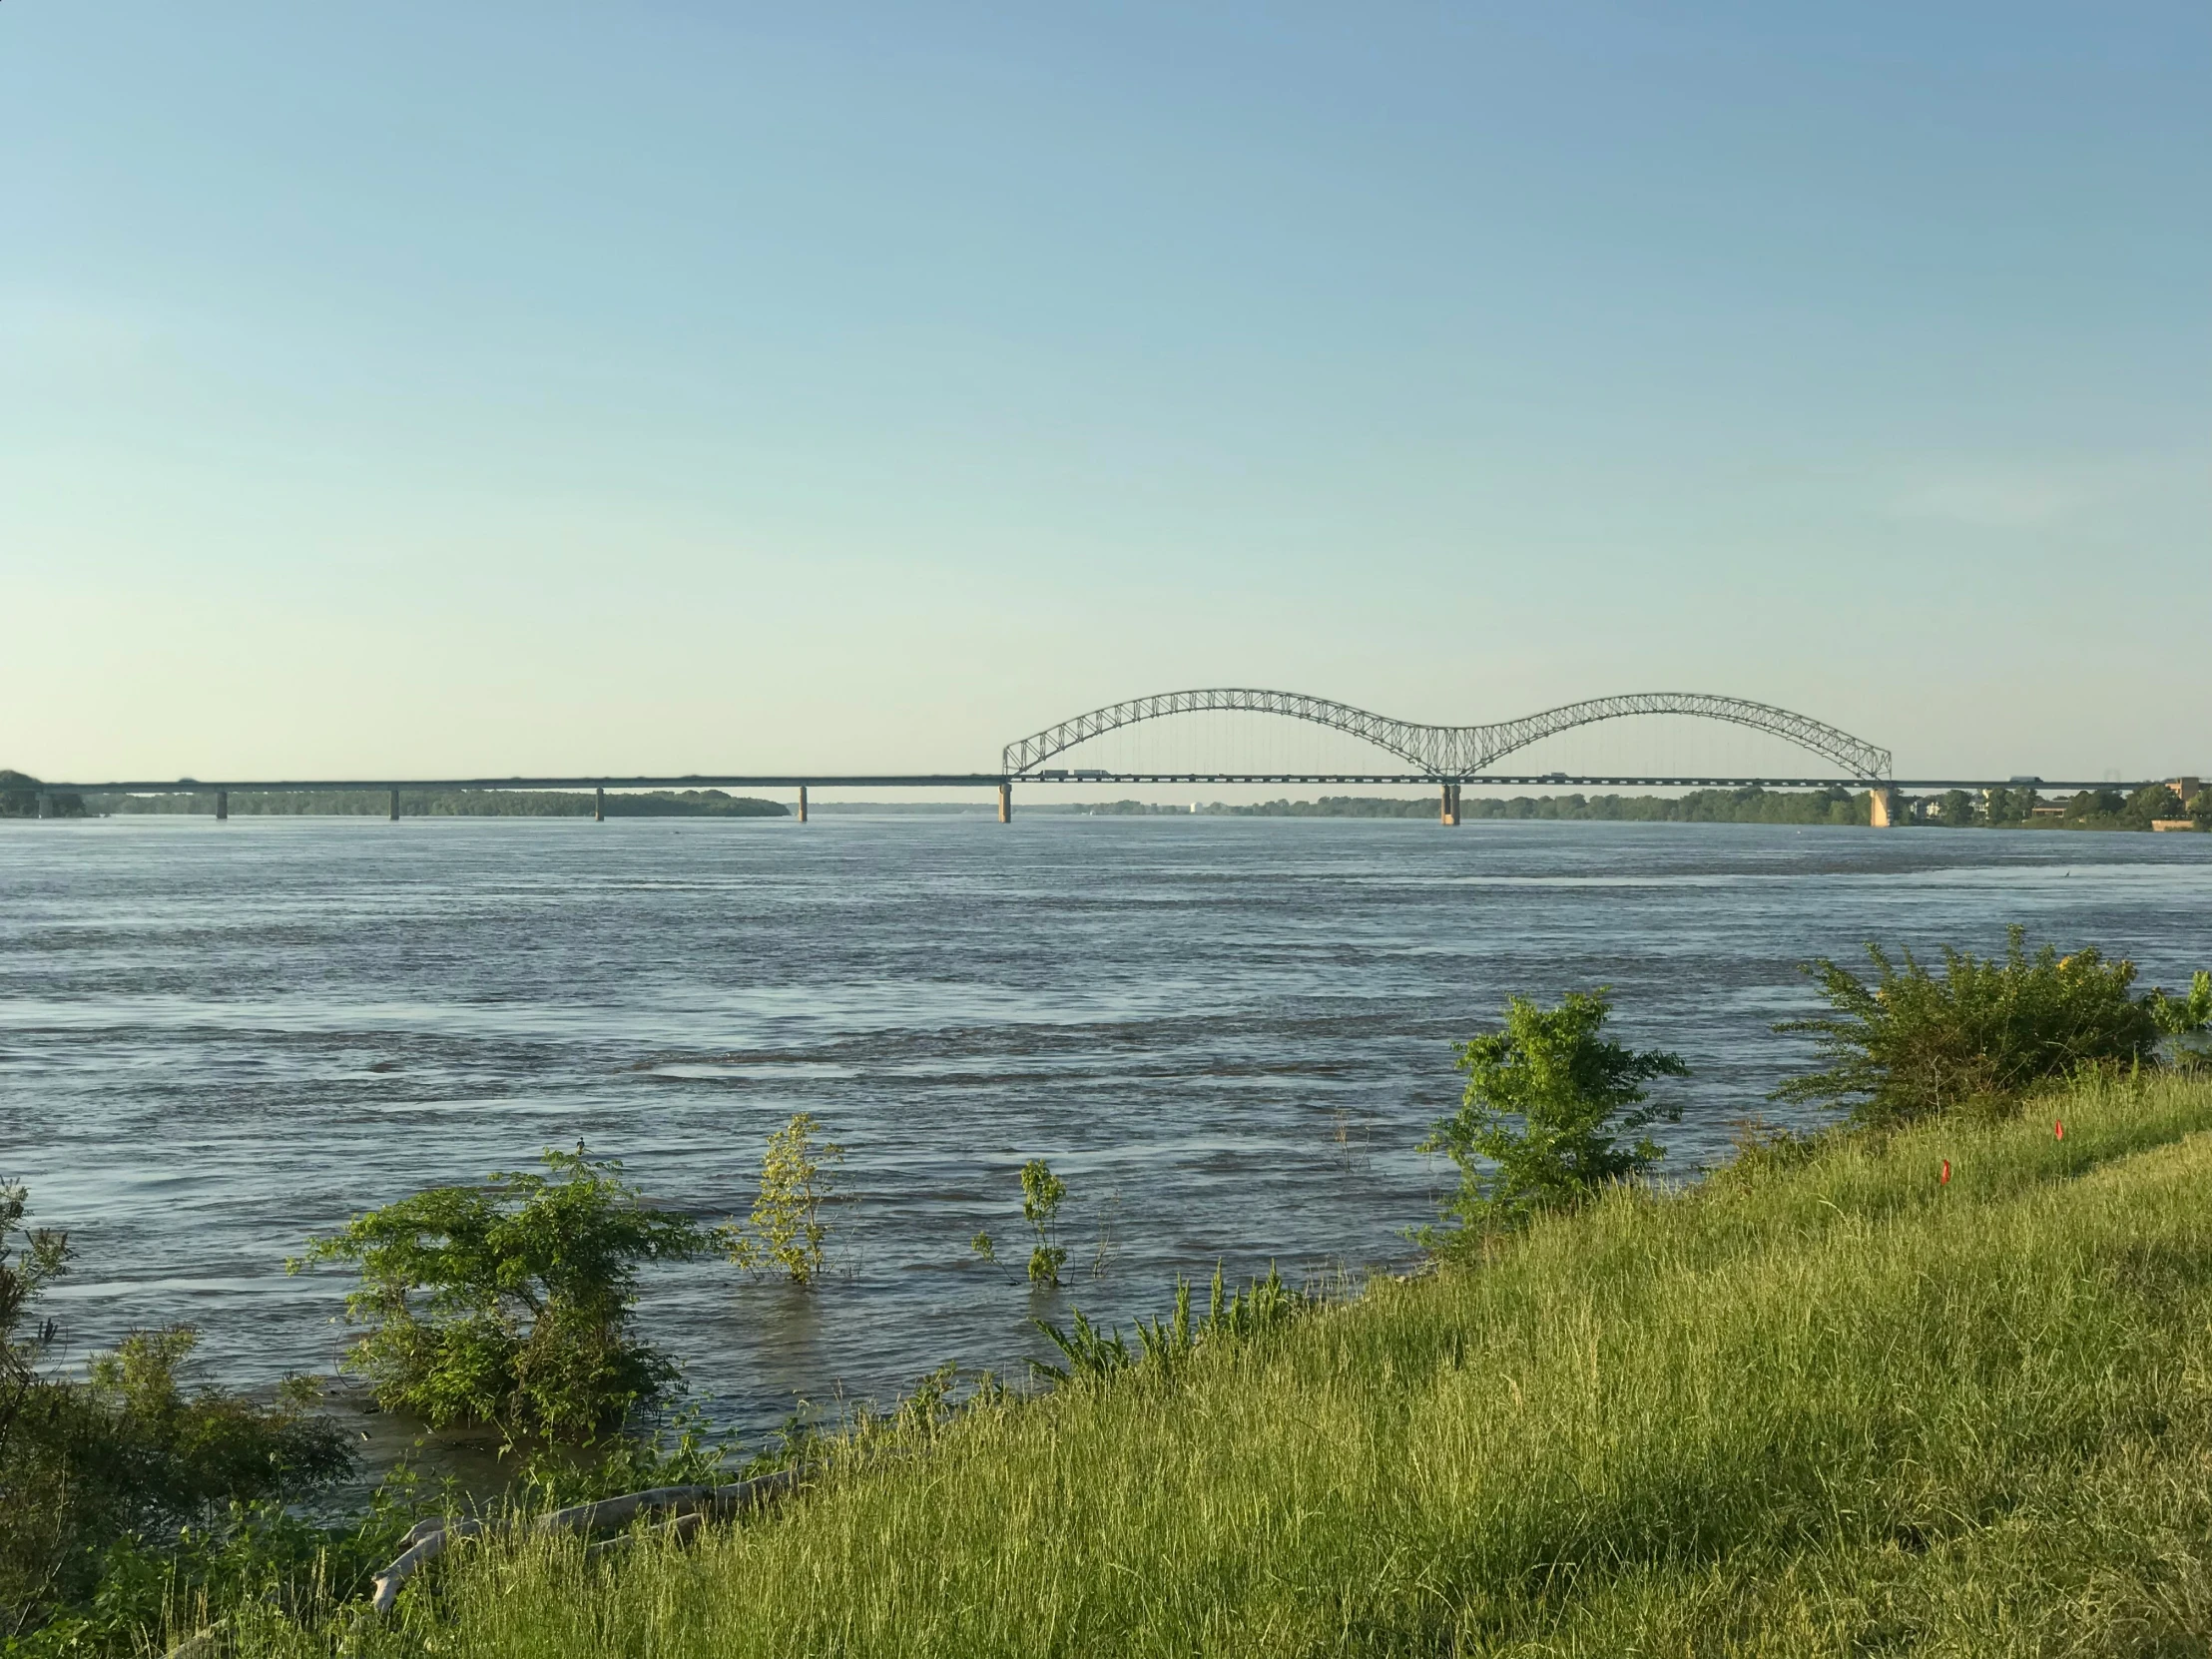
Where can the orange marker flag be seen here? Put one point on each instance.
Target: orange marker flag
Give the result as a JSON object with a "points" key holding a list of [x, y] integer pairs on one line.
{"points": [[1944, 1178], [2058, 1129]]}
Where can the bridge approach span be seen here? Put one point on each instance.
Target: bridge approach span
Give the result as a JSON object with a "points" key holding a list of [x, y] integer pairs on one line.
{"points": [[1460, 751]]}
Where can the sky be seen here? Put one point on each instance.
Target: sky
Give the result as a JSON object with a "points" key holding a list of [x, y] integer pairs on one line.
{"points": [[441, 391]]}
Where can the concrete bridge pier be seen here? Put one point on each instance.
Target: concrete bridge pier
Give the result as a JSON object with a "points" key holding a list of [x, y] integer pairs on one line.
{"points": [[1005, 803], [1452, 806], [803, 802], [599, 803], [396, 806], [1882, 806], [222, 804]]}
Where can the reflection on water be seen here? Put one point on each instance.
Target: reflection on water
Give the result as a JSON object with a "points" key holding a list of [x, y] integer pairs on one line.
{"points": [[1226, 1034]]}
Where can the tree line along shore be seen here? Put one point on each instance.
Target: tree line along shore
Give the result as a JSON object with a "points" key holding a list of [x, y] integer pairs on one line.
{"points": [[1936, 1375], [2022, 807], [20, 798]]}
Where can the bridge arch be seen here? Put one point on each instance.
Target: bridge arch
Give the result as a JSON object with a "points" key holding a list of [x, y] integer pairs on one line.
{"points": [[1455, 751]]}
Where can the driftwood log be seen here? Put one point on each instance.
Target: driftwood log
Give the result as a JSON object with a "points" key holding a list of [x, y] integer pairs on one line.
{"points": [[687, 1507], [425, 1544]]}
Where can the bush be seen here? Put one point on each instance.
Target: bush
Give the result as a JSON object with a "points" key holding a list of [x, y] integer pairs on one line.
{"points": [[509, 1303], [1913, 1044], [1547, 1106], [1042, 1194], [91, 1472], [786, 1227]]}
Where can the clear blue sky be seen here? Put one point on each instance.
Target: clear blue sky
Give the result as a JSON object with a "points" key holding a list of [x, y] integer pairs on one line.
{"points": [[436, 388]]}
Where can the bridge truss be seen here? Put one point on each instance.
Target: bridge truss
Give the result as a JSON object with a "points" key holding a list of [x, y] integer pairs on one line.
{"points": [[1454, 751]]}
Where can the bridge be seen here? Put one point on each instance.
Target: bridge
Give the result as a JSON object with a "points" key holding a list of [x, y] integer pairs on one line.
{"points": [[1445, 758]]}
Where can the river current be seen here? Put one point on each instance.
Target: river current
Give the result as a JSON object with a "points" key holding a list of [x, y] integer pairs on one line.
{"points": [[1226, 1034]]}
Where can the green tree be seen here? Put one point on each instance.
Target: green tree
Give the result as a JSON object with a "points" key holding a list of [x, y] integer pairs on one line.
{"points": [[2200, 808], [2152, 801], [787, 1227], [1549, 1109], [1912, 1043], [2093, 806], [509, 1302], [1959, 810], [1042, 1193]]}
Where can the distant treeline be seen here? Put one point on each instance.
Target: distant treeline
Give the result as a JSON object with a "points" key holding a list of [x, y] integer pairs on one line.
{"points": [[2003, 808], [450, 803], [1745, 805], [19, 792]]}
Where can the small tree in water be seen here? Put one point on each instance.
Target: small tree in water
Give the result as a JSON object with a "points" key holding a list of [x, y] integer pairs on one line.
{"points": [[785, 1228], [1548, 1112], [509, 1302], [1042, 1195]]}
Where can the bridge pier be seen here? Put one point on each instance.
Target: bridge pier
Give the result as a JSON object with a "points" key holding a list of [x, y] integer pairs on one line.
{"points": [[803, 802], [396, 806], [599, 803], [1452, 806], [222, 804], [1882, 806], [1005, 803]]}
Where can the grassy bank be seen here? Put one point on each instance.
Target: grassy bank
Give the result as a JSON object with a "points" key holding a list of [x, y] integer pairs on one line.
{"points": [[1821, 1405]]}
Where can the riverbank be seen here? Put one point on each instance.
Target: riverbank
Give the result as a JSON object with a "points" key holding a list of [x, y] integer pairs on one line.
{"points": [[1825, 1401]]}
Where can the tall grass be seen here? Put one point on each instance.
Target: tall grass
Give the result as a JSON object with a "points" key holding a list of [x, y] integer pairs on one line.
{"points": [[1820, 1406]]}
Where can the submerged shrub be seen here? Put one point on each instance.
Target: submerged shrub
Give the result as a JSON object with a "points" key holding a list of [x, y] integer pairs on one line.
{"points": [[509, 1302], [1042, 1194], [90, 1471], [785, 1228], [1912, 1043], [1548, 1111]]}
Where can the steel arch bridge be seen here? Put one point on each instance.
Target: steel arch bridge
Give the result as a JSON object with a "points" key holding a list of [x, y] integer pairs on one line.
{"points": [[1454, 751]]}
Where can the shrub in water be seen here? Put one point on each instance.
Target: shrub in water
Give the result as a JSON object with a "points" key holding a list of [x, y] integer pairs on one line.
{"points": [[509, 1302], [87, 1467], [1549, 1113], [787, 1227], [1912, 1043], [1042, 1193]]}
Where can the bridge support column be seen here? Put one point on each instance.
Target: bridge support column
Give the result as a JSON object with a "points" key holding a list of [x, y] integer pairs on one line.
{"points": [[599, 803], [396, 806], [1882, 806], [1005, 803], [803, 802], [222, 804], [1452, 806]]}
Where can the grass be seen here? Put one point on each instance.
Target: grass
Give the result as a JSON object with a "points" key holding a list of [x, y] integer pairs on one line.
{"points": [[1821, 1405]]}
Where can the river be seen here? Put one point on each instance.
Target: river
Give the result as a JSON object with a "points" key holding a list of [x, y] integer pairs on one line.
{"points": [[1226, 1034]]}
